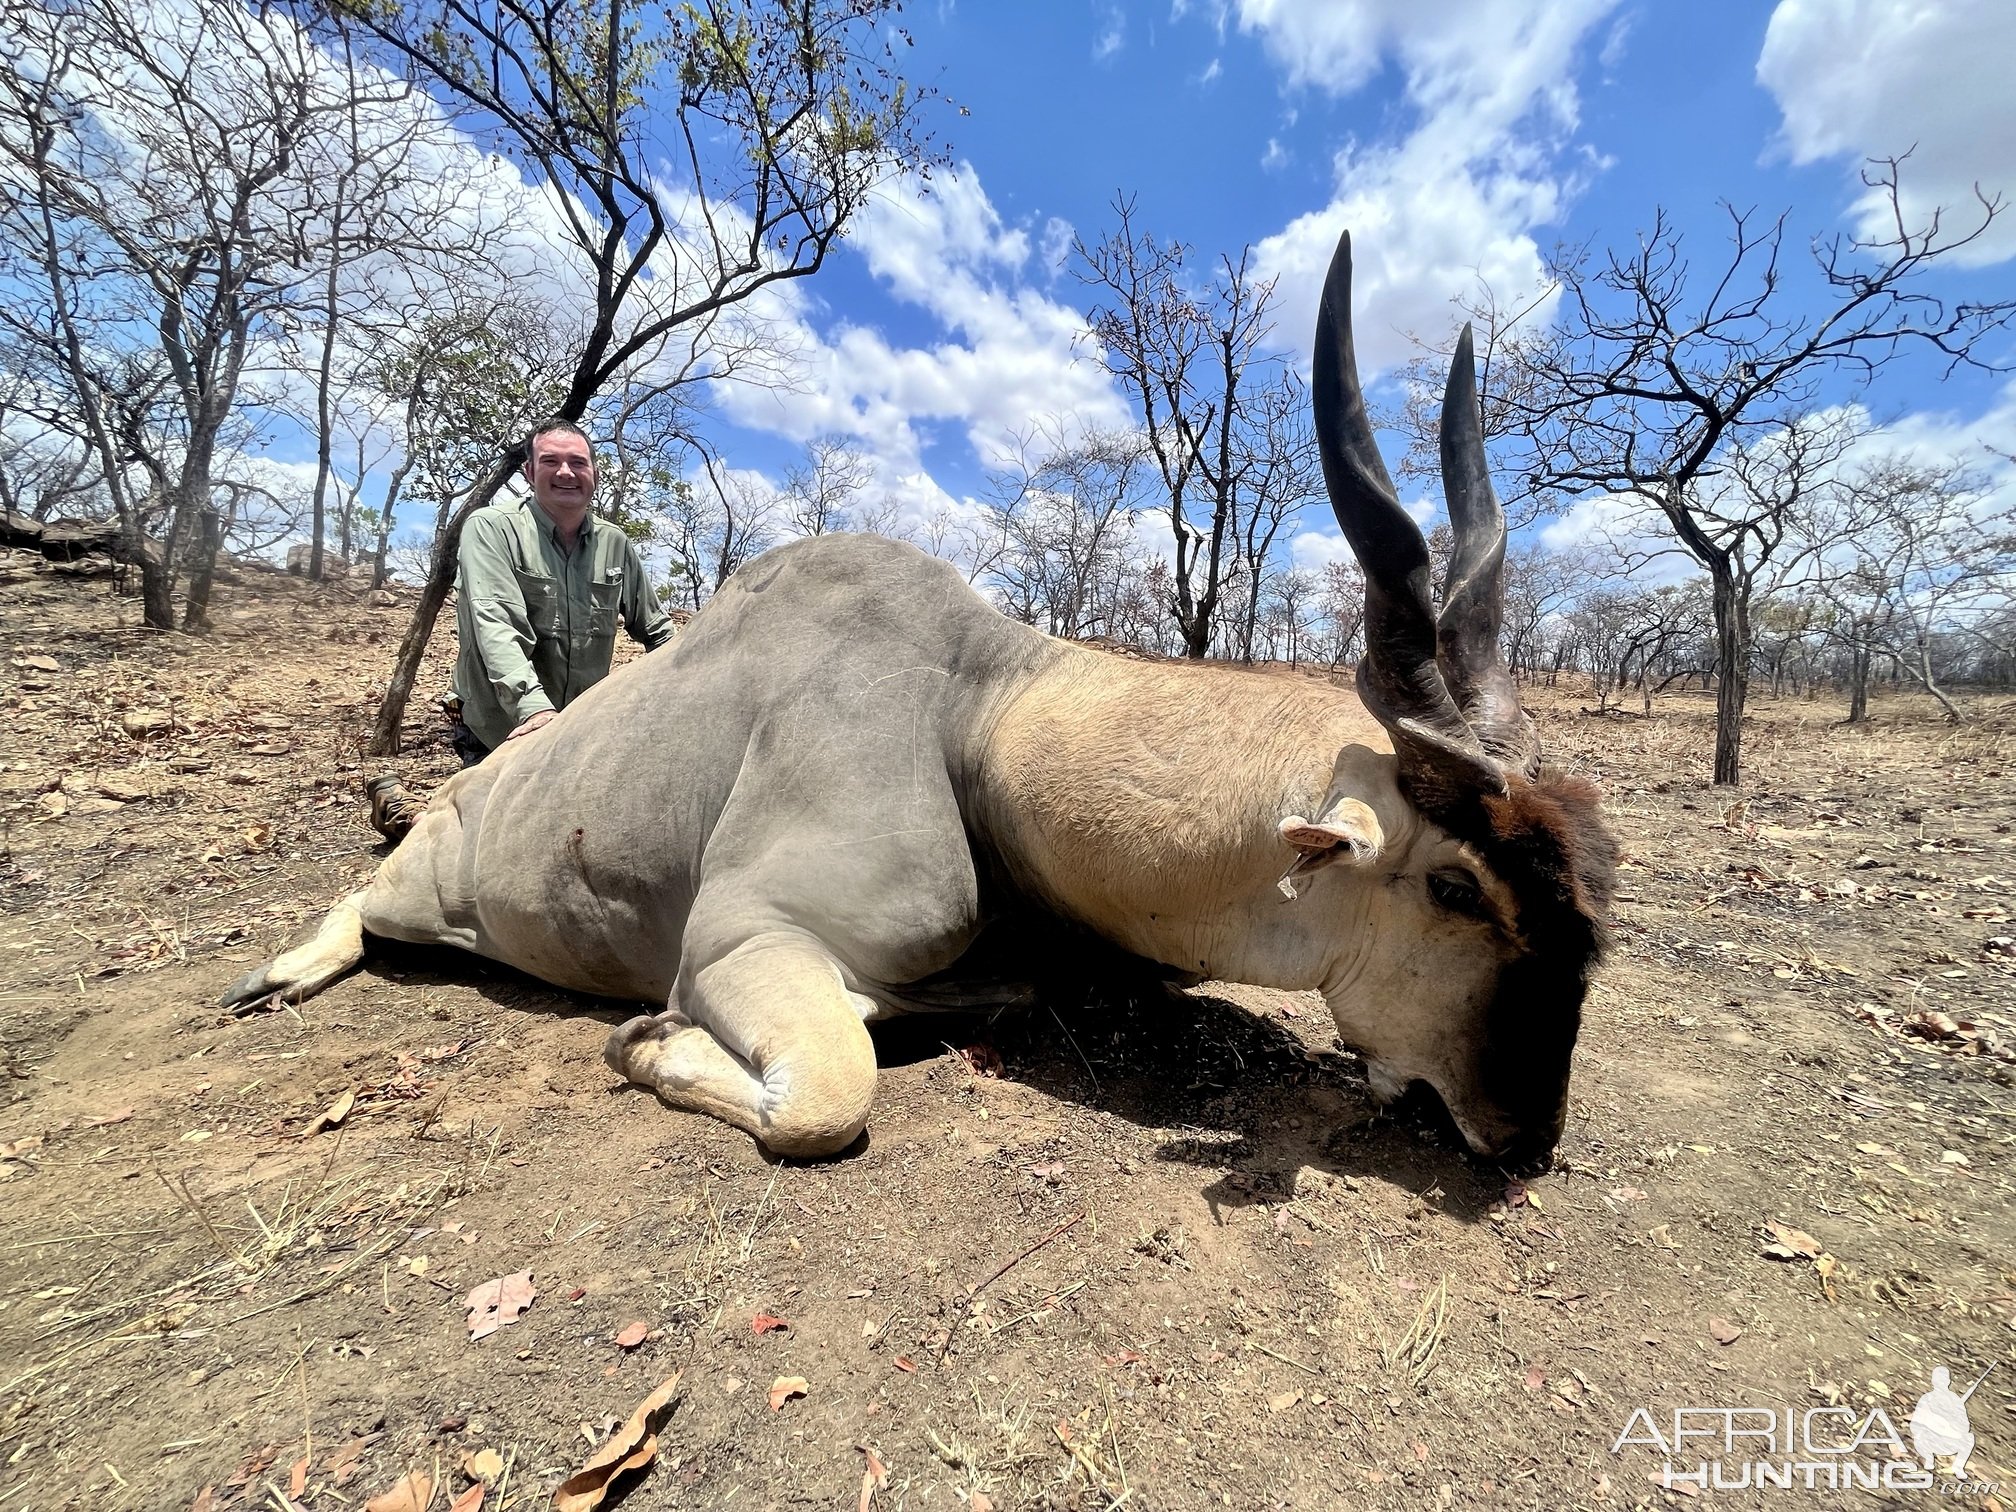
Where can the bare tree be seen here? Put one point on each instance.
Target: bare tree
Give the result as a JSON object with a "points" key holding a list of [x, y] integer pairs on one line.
{"points": [[157, 156], [1539, 584], [1278, 473], [781, 114], [1341, 596], [1658, 373], [820, 491], [1195, 366], [45, 470], [744, 519], [1629, 635], [1063, 509], [394, 246], [1907, 551]]}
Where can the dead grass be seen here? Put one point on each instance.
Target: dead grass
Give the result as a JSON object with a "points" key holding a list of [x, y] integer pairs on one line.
{"points": [[1280, 1300]]}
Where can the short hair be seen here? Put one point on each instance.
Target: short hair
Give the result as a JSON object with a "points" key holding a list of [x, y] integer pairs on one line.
{"points": [[550, 427]]}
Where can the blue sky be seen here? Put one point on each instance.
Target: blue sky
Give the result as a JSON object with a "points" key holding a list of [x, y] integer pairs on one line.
{"points": [[1459, 140]]}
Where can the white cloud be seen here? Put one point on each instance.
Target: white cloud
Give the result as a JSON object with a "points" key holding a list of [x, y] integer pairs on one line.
{"points": [[1419, 239], [1009, 353], [1510, 52], [1211, 72], [1112, 36], [1491, 85], [1876, 78], [1058, 234], [1275, 157], [1314, 549]]}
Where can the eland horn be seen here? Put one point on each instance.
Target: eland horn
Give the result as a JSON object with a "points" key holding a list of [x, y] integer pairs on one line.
{"points": [[1473, 594], [1401, 679]]}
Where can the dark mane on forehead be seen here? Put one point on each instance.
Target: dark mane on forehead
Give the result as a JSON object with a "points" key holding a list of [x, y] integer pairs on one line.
{"points": [[1547, 841]]}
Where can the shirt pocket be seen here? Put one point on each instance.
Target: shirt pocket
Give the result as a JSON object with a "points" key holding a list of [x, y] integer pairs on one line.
{"points": [[603, 601], [542, 601]]}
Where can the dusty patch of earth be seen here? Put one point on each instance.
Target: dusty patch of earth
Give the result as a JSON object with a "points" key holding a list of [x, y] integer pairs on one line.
{"points": [[1207, 1275]]}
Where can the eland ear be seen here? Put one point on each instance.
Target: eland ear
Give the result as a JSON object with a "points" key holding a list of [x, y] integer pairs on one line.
{"points": [[1346, 830]]}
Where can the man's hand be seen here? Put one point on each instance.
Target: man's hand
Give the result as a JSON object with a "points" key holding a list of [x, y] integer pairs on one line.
{"points": [[538, 721]]}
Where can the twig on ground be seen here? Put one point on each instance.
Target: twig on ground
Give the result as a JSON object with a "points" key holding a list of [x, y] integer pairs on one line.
{"points": [[1276, 1355], [957, 1323]]}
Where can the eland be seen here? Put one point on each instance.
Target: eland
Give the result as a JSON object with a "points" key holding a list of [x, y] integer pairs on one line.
{"points": [[819, 805]]}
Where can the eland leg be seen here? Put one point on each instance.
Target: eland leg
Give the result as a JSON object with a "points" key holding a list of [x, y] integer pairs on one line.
{"points": [[297, 974], [769, 1039]]}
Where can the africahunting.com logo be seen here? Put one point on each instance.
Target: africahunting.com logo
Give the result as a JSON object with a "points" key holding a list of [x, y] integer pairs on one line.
{"points": [[1821, 1448]]}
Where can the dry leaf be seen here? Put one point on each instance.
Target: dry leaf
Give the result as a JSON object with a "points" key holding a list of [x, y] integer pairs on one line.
{"points": [[632, 1335], [205, 1500], [486, 1465], [980, 1502], [344, 1463], [905, 1364], [1723, 1331], [110, 1118], [1828, 1268], [982, 1060], [786, 1387], [16, 1149], [333, 1115], [873, 1478], [495, 1304], [471, 1499], [631, 1447], [412, 1493], [1283, 1401], [764, 1323], [297, 1478], [1790, 1243]]}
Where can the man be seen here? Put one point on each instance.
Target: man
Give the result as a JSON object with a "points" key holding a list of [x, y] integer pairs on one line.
{"points": [[1939, 1421], [538, 588]]}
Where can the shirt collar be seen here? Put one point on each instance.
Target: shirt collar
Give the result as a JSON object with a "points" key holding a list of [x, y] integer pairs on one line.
{"points": [[551, 529]]}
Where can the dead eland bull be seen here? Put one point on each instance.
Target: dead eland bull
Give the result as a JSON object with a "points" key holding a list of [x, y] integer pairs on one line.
{"points": [[802, 816]]}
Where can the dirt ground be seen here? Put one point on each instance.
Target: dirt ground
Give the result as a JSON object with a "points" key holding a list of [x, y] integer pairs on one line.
{"points": [[1149, 1252]]}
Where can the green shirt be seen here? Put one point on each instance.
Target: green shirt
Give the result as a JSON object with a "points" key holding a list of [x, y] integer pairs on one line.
{"points": [[538, 621]]}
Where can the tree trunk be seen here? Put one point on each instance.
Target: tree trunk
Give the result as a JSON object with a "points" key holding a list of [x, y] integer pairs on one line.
{"points": [[1732, 669], [1924, 675], [1858, 684], [325, 421], [384, 541], [420, 629], [157, 586], [209, 537]]}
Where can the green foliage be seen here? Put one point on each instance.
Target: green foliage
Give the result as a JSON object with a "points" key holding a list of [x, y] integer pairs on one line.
{"points": [[473, 388]]}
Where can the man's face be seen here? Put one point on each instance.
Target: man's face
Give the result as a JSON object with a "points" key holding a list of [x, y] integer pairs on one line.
{"points": [[561, 471]]}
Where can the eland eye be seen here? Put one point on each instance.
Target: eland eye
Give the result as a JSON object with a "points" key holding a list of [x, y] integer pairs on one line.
{"points": [[1458, 892]]}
